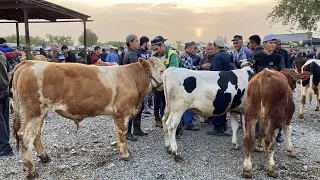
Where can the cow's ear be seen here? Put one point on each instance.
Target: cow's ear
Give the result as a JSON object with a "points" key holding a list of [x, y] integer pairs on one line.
{"points": [[143, 63], [304, 75]]}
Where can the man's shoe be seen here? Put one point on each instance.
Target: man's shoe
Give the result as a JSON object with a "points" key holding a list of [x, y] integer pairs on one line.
{"points": [[131, 137], [159, 124], [139, 133], [215, 133], [191, 128], [6, 153], [279, 139], [225, 133]]}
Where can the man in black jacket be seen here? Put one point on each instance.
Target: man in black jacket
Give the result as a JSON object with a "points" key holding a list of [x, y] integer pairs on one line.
{"points": [[132, 57], [69, 56], [254, 45]]}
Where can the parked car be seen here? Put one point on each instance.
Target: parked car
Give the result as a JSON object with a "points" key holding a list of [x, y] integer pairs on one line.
{"points": [[289, 44], [307, 43]]}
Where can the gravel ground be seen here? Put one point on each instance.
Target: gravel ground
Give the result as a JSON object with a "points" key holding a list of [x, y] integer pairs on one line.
{"points": [[90, 154]]}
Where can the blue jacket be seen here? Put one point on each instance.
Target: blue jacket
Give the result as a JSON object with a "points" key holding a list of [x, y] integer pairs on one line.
{"points": [[5, 48], [221, 61], [112, 57], [145, 54]]}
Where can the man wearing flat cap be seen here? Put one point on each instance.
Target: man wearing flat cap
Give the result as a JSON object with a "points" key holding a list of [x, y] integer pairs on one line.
{"points": [[220, 62], [279, 50], [241, 52], [131, 57], [169, 58]]}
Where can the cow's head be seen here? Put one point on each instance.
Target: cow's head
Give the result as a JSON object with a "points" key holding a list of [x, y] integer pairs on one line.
{"points": [[246, 63], [293, 76], [156, 70]]}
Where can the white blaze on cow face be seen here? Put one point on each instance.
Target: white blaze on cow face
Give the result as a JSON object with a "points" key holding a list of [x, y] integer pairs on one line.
{"points": [[157, 71]]}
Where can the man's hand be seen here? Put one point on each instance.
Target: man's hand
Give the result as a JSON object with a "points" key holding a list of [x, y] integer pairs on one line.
{"points": [[206, 66]]}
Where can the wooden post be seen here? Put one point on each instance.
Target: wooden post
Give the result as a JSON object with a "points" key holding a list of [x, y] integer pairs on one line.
{"points": [[85, 39], [26, 23], [17, 33]]}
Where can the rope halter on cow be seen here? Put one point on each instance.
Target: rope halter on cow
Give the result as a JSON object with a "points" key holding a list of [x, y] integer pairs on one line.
{"points": [[154, 79]]}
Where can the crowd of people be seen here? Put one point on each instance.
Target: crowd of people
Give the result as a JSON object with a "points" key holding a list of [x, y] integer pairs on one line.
{"points": [[215, 57]]}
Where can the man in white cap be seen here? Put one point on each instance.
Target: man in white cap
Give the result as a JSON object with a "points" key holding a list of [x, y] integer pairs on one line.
{"points": [[220, 62]]}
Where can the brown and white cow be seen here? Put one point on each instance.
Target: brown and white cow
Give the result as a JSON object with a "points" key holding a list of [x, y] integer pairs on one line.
{"points": [[77, 91], [269, 102]]}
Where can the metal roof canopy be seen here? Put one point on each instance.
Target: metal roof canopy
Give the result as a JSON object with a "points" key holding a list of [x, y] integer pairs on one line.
{"points": [[20, 11]]}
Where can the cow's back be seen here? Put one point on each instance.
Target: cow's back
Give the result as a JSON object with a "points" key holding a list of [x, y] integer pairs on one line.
{"points": [[74, 90]]}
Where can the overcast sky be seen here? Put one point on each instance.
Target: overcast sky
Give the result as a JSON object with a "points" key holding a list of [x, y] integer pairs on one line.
{"points": [[186, 20]]}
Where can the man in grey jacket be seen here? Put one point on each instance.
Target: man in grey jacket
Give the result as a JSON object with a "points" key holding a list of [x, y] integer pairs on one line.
{"points": [[132, 57]]}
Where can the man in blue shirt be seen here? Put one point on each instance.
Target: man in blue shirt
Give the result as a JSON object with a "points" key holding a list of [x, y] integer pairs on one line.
{"points": [[241, 52], [112, 57], [220, 62]]}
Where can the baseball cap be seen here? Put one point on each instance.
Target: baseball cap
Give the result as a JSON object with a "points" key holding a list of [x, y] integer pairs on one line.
{"points": [[219, 42], [237, 38], [158, 40], [270, 37], [131, 37], [278, 41], [64, 47]]}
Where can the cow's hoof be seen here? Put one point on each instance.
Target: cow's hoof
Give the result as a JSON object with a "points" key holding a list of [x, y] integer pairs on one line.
{"points": [[291, 154], [126, 158], [301, 116], [259, 149], [33, 175], [45, 158], [177, 158], [272, 173], [247, 173], [168, 149], [236, 146], [316, 109]]}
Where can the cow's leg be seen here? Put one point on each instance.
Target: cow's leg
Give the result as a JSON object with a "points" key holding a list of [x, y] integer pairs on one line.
{"points": [[41, 151], [121, 127], [317, 97], [27, 134], [248, 145], [234, 126], [172, 124], [243, 123], [302, 100], [287, 132], [270, 144], [261, 135], [165, 129]]}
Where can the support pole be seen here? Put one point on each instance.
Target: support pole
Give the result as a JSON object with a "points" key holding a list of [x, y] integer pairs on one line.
{"points": [[26, 23], [18, 35], [85, 39]]}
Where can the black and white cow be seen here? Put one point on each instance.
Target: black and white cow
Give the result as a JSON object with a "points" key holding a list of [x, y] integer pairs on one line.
{"points": [[206, 93], [311, 84]]}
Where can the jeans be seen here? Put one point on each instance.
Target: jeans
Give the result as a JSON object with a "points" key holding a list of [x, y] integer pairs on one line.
{"points": [[187, 119], [219, 122], [159, 104], [136, 121], [4, 122]]}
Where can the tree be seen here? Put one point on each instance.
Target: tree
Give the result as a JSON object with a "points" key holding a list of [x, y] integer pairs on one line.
{"points": [[117, 44], [34, 40], [60, 40], [296, 14], [92, 38]]}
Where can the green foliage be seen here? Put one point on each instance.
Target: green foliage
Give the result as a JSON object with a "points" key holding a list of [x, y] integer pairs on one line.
{"points": [[117, 44], [180, 44], [297, 42], [34, 40], [60, 40], [297, 14], [92, 38]]}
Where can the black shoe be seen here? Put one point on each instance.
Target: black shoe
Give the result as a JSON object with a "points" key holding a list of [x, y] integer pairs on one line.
{"points": [[215, 133], [191, 128], [131, 137], [6, 153], [279, 139], [159, 124], [139, 133]]}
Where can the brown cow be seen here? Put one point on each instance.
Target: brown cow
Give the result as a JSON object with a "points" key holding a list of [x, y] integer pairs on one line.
{"points": [[298, 63], [77, 91], [272, 107]]}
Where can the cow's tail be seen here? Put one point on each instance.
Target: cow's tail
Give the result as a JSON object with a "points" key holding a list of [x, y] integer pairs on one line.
{"points": [[16, 119], [310, 91]]}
